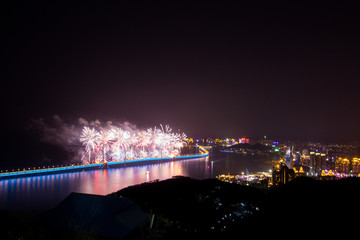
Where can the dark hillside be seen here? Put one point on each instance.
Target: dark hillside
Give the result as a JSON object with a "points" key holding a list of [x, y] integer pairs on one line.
{"points": [[198, 206], [323, 206]]}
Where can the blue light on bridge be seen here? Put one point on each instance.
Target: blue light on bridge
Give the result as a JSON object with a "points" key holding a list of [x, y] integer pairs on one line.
{"points": [[96, 165]]}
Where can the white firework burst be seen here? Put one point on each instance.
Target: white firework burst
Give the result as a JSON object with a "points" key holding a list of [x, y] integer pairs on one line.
{"points": [[89, 138]]}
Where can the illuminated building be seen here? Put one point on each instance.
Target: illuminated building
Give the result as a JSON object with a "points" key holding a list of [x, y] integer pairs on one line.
{"points": [[305, 157], [312, 163], [330, 163], [344, 165], [320, 162], [327, 175], [317, 163], [244, 140], [317, 169], [300, 173], [356, 165], [289, 157], [282, 174], [218, 141]]}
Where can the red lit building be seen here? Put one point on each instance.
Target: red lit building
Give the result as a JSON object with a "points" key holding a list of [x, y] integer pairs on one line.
{"points": [[244, 140]]}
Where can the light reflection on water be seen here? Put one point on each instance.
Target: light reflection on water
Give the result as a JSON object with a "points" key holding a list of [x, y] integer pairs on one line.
{"points": [[45, 192]]}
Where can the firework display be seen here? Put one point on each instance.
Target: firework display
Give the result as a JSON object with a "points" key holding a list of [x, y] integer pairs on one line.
{"points": [[117, 144]]}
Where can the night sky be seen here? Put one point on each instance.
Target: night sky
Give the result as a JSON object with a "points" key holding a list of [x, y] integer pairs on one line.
{"points": [[221, 69]]}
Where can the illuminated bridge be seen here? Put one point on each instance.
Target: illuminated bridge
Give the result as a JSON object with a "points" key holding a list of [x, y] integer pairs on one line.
{"points": [[25, 173]]}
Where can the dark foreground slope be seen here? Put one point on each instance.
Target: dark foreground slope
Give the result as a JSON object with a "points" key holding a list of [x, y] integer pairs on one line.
{"points": [[182, 207], [188, 207], [185, 207], [314, 208]]}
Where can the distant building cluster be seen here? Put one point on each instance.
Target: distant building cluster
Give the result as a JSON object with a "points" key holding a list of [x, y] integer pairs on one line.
{"points": [[293, 159], [317, 160], [218, 142], [243, 145]]}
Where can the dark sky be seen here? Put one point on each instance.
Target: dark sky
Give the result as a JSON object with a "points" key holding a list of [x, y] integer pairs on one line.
{"points": [[286, 70]]}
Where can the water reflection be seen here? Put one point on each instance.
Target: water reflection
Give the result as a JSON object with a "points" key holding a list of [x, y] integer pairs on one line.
{"points": [[44, 192]]}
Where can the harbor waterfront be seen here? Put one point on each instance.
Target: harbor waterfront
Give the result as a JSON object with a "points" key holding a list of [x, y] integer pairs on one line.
{"points": [[46, 191]]}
